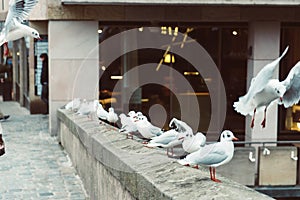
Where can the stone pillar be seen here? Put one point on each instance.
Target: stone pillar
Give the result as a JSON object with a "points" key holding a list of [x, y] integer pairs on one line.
{"points": [[132, 80], [73, 64], [22, 70], [15, 61], [42, 27], [264, 47]]}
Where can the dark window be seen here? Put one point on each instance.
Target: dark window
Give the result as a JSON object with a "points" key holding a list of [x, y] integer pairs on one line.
{"points": [[225, 44], [289, 118]]}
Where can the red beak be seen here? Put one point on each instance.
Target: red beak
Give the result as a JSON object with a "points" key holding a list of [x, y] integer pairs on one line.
{"points": [[281, 99], [235, 138]]}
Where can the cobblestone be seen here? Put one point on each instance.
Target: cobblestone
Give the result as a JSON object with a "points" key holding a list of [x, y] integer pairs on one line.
{"points": [[34, 165]]}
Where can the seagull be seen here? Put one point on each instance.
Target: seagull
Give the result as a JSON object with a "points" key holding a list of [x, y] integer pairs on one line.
{"points": [[73, 105], [131, 113], [168, 139], [102, 114], [262, 92], [112, 117], [190, 142], [213, 155], [88, 108], [146, 129], [291, 95], [128, 125], [13, 28]]}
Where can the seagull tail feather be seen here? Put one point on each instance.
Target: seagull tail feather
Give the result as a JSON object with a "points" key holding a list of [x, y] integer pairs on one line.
{"points": [[183, 162], [243, 107], [2, 40]]}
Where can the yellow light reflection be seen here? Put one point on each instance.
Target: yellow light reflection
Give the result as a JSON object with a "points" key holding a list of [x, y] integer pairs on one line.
{"points": [[191, 73], [167, 58], [194, 94]]}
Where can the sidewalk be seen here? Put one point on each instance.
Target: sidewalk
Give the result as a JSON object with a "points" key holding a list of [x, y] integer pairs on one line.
{"points": [[34, 165]]}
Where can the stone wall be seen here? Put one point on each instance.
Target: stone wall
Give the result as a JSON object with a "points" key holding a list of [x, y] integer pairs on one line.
{"points": [[113, 167]]}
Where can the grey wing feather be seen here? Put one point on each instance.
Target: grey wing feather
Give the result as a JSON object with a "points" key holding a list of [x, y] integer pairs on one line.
{"points": [[208, 155], [262, 78], [292, 84], [155, 130]]}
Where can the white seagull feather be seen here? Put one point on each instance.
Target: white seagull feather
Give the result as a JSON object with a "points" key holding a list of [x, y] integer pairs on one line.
{"points": [[13, 28]]}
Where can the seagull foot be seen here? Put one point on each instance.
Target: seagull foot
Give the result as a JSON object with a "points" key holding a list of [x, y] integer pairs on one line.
{"points": [[144, 142], [196, 166], [216, 180]]}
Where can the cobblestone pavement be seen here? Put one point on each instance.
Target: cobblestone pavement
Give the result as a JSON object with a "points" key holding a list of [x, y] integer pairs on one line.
{"points": [[34, 165]]}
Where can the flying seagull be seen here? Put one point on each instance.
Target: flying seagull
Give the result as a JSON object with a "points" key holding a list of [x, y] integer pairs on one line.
{"points": [[13, 28], [262, 92], [291, 95]]}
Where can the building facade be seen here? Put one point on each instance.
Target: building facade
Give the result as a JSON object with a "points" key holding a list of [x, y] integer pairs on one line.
{"points": [[94, 49]]}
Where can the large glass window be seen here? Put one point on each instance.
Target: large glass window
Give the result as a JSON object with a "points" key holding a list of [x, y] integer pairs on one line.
{"points": [[289, 119], [226, 44]]}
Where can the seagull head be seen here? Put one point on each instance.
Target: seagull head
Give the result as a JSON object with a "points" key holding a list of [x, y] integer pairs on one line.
{"points": [[227, 136], [279, 89], [131, 113], [35, 34]]}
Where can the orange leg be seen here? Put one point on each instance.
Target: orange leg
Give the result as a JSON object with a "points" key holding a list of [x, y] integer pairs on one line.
{"points": [[252, 122], [263, 123], [213, 175]]}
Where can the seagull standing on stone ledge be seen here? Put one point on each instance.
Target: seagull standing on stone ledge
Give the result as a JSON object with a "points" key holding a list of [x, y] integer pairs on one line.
{"points": [[13, 28], [213, 155]]}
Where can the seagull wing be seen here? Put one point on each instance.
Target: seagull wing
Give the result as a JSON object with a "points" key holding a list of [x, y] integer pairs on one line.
{"points": [[155, 130], [181, 126], [165, 138], [18, 11], [263, 77], [208, 155], [292, 84]]}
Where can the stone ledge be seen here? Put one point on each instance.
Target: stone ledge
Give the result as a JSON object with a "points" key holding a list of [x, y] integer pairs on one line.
{"points": [[143, 173]]}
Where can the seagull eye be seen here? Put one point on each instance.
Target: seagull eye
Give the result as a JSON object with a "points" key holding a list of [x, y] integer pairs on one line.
{"points": [[228, 135]]}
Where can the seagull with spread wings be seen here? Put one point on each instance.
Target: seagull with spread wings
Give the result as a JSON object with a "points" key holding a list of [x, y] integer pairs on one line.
{"points": [[263, 91], [13, 28], [291, 95]]}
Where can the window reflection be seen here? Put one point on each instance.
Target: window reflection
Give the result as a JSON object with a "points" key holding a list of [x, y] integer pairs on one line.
{"points": [[227, 46], [289, 118]]}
